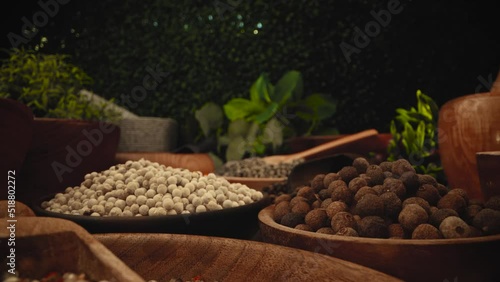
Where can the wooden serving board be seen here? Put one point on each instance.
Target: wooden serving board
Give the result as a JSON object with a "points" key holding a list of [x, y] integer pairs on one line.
{"points": [[165, 256], [43, 245]]}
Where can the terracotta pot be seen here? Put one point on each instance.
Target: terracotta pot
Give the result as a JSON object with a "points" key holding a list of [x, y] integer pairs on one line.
{"points": [[62, 152], [468, 125]]}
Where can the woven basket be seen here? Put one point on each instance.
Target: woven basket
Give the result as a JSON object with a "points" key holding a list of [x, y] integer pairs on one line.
{"points": [[148, 134]]}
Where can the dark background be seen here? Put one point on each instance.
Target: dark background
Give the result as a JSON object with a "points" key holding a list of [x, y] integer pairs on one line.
{"points": [[446, 49]]}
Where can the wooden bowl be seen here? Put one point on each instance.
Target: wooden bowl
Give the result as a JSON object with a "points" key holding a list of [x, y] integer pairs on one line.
{"points": [[468, 259], [468, 125], [240, 222], [165, 256], [43, 245]]}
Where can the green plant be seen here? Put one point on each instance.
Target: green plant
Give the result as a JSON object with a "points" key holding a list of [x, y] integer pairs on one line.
{"points": [[257, 126], [414, 136], [49, 84]]}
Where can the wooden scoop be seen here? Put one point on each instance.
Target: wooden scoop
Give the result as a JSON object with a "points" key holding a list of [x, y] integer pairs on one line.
{"points": [[315, 151]]}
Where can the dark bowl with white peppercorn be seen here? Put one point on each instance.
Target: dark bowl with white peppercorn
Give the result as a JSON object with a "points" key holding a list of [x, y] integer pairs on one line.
{"points": [[145, 196], [388, 217], [239, 222]]}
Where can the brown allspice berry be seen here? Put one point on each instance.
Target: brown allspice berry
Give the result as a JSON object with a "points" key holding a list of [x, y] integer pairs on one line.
{"points": [[372, 227], [476, 201], [317, 182], [292, 219], [386, 166], [361, 164], [433, 209], [388, 174], [396, 231], [347, 231], [427, 179], [280, 210], [342, 219], [308, 193], [375, 174], [470, 212], [454, 227], [301, 207], [316, 219], [297, 199], [335, 207], [428, 193], [282, 198], [419, 201], [347, 173], [356, 183], [325, 230], [442, 189], [342, 193], [411, 216], [369, 205], [460, 192], [396, 186], [316, 204], [337, 183], [493, 203], [392, 205], [452, 201], [304, 227], [329, 178], [380, 189], [325, 203], [401, 166], [363, 191], [410, 181], [426, 231], [438, 216], [325, 194], [488, 221]]}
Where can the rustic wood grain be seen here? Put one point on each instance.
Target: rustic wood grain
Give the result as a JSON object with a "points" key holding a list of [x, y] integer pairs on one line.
{"points": [[165, 256], [52, 244], [468, 125], [468, 259]]}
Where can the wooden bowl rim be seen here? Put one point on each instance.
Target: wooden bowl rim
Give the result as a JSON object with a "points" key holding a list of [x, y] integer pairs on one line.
{"points": [[265, 217]]}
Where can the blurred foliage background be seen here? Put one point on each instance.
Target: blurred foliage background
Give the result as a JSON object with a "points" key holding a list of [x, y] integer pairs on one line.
{"points": [[214, 51]]}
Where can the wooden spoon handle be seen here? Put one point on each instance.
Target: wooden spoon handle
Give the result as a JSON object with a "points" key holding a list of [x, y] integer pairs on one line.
{"points": [[335, 143], [495, 88]]}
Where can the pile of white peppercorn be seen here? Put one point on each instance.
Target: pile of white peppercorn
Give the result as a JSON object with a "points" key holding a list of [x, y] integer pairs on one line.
{"points": [[145, 188], [257, 167]]}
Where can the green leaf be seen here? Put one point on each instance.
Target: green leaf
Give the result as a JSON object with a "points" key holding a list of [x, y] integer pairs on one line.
{"points": [[290, 84], [240, 108], [323, 107], [268, 113], [261, 89], [210, 117], [420, 135], [408, 133], [273, 133], [238, 127], [236, 149]]}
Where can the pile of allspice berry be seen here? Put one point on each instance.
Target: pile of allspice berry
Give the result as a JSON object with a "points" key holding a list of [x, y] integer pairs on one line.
{"points": [[386, 200]]}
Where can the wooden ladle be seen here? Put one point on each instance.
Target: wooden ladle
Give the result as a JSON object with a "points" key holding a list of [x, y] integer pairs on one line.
{"points": [[315, 151]]}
